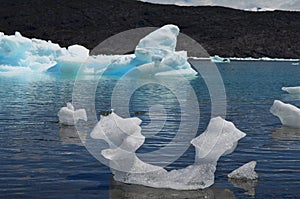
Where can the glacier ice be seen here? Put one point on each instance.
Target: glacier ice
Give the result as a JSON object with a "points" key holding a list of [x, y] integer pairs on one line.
{"points": [[292, 90], [155, 53], [245, 172], [35, 55], [218, 59], [288, 114], [124, 137], [69, 116]]}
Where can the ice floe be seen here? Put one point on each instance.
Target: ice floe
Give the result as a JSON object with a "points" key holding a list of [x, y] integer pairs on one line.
{"points": [[124, 137]]}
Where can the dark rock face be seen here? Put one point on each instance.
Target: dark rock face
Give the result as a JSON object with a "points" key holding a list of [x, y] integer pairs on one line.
{"points": [[223, 31]]}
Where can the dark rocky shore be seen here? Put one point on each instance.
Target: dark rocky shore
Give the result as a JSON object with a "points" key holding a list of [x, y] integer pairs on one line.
{"points": [[222, 31]]}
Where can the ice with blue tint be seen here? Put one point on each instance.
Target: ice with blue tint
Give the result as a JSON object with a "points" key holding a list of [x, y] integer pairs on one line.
{"points": [[69, 116], [154, 54], [288, 114], [124, 137], [218, 59], [35, 55]]}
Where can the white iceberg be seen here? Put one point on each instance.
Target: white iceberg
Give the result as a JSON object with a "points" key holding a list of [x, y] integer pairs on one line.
{"points": [[154, 54], [124, 138], [69, 116], [37, 55], [218, 59], [288, 114], [245, 172], [292, 90]]}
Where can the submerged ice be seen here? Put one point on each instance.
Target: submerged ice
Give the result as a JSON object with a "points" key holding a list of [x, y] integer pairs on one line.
{"points": [[124, 137], [155, 54], [288, 114]]}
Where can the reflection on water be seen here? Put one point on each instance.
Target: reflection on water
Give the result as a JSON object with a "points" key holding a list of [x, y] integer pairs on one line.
{"points": [[286, 133], [247, 185], [69, 135], [121, 190]]}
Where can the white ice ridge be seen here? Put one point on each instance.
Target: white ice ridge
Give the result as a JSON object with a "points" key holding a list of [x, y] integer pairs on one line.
{"points": [[292, 90], [69, 116], [245, 172], [155, 54], [288, 114], [35, 54], [124, 138], [218, 59]]}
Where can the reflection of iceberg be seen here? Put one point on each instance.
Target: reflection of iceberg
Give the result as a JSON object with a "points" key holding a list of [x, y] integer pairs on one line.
{"points": [[155, 52], [245, 177], [247, 185], [288, 114], [69, 135], [69, 116], [120, 190], [124, 138], [286, 133], [292, 90]]}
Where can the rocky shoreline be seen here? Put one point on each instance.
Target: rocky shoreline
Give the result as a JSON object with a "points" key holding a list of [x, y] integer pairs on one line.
{"points": [[221, 31]]}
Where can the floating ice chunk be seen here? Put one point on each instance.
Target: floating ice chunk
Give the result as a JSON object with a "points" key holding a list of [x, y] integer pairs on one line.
{"points": [[292, 90], [157, 50], [36, 54], [124, 138], [220, 138], [218, 59], [69, 116], [245, 172], [288, 114]]}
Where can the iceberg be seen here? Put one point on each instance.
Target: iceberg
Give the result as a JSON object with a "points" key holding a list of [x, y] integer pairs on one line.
{"points": [[35, 55], [218, 59], [154, 54], [245, 172], [292, 90], [288, 114], [124, 137], [69, 116]]}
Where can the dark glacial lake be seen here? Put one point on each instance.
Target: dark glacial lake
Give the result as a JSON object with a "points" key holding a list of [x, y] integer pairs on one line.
{"points": [[39, 158]]}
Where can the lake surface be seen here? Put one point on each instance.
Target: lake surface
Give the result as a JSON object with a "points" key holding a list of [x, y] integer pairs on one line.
{"points": [[42, 159]]}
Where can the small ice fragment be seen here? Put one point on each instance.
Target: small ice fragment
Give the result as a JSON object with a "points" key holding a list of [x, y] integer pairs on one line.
{"points": [[245, 172], [69, 116], [288, 114], [292, 90]]}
